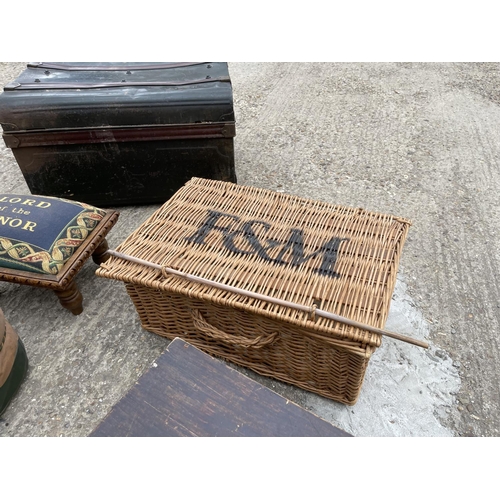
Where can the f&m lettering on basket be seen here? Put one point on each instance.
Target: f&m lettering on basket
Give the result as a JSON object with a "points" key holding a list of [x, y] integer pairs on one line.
{"points": [[294, 289], [292, 247]]}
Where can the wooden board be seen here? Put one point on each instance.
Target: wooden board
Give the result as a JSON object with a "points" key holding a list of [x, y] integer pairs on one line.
{"points": [[189, 393]]}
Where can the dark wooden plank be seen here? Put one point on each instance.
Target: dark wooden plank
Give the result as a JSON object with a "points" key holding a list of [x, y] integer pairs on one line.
{"points": [[189, 393]]}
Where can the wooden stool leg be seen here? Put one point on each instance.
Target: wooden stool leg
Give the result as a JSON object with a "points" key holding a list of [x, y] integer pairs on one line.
{"points": [[71, 298], [99, 256]]}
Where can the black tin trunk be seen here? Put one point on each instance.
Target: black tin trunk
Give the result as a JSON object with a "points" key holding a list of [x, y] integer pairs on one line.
{"points": [[119, 133]]}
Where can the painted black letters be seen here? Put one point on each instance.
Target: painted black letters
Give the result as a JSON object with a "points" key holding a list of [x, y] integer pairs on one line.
{"points": [[291, 253]]}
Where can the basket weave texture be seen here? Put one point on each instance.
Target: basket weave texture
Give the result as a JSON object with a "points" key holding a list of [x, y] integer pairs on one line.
{"points": [[338, 259]]}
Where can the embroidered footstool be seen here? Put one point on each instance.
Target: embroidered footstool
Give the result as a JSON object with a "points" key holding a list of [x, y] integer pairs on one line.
{"points": [[45, 241]]}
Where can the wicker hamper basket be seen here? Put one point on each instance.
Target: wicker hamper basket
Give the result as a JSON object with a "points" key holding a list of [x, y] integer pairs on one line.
{"points": [[321, 256]]}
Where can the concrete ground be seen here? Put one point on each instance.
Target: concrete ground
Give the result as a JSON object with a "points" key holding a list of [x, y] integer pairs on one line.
{"points": [[418, 140]]}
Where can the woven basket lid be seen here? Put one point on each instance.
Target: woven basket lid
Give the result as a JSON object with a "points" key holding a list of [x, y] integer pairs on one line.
{"points": [[339, 259]]}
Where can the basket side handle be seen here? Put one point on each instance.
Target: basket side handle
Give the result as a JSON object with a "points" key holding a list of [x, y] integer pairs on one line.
{"points": [[211, 331]]}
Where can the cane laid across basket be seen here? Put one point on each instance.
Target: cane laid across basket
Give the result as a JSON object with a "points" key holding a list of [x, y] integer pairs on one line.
{"points": [[313, 254]]}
